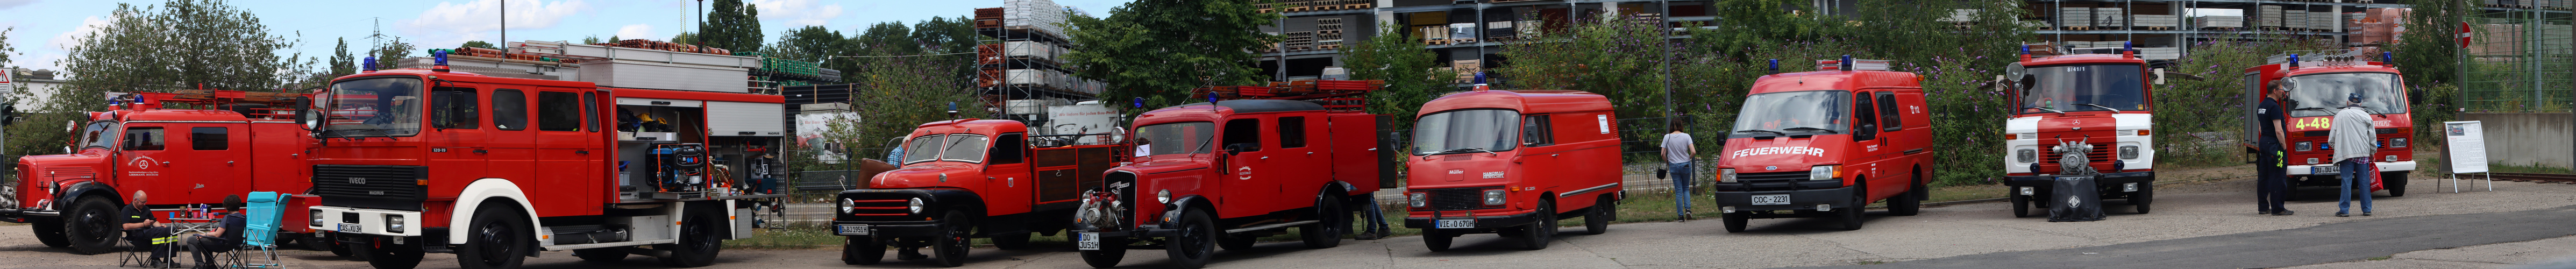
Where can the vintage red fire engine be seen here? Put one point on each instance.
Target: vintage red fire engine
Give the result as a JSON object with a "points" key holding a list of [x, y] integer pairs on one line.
{"points": [[1513, 163], [2321, 82], [495, 169], [971, 178], [1228, 172], [2105, 101], [178, 157], [1827, 144]]}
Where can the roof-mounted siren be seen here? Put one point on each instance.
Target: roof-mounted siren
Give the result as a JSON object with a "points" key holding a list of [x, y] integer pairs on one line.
{"points": [[952, 110], [2294, 61], [439, 60], [2128, 49], [1849, 64], [1775, 66], [370, 65], [2388, 58], [1480, 81]]}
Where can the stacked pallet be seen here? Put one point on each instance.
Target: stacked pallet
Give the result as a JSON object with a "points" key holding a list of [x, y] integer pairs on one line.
{"points": [[2042, 25], [2218, 22], [1041, 15], [1462, 33], [2322, 21], [1328, 33], [2160, 53], [2075, 18], [2110, 17], [2268, 16], [1467, 69], [2156, 22], [1961, 15], [1300, 41], [1435, 35], [1501, 31], [988, 17], [1027, 50]]}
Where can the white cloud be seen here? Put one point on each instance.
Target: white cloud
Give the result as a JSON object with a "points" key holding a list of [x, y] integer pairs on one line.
{"points": [[636, 31], [798, 12], [450, 24], [67, 39]]}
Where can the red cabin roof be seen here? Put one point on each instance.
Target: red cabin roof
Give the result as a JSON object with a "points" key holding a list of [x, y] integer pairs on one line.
{"points": [[1525, 101], [2082, 59], [971, 126], [1833, 80]]}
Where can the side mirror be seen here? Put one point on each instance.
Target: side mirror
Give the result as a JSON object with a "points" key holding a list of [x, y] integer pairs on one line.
{"points": [[304, 115]]}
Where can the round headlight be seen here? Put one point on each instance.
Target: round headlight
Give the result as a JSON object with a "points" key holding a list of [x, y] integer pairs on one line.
{"points": [[846, 205], [1163, 196], [1416, 200], [915, 206], [312, 122]]}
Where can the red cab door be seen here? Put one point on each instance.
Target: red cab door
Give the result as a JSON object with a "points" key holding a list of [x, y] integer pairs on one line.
{"points": [[563, 148], [217, 160], [1007, 176]]}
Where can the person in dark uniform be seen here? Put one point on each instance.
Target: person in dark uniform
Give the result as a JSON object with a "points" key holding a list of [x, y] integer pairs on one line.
{"points": [[226, 236], [2272, 182], [146, 231]]}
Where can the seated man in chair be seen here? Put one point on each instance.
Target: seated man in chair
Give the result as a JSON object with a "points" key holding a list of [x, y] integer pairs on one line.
{"points": [[146, 231], [226, 236]]}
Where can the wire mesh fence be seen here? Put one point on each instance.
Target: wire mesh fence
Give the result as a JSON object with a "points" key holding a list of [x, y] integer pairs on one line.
{"points": [[2519, 61]]}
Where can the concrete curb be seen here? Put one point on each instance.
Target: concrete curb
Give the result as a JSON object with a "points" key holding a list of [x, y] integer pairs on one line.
{"points": [[1944, 203]]}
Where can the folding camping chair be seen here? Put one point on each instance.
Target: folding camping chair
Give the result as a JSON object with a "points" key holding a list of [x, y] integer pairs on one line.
{"points": [[141, 256], [261, 233]]}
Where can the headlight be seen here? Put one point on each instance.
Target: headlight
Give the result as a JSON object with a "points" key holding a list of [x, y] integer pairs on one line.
{"points": [[393, 223], [2304, 146], [1494, 197], [316, 215], [1822, 172], [915, 206], [2128, 152], [1415, 200], [2397, 142], [847, 204], [1726, 175], [2026, 155], [1163, 196]]}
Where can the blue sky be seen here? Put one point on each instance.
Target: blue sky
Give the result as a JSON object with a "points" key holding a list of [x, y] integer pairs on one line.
{"points": [[43, 27]]}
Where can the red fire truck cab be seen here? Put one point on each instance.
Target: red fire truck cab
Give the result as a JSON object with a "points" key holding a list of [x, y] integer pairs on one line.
{"points": [[970, 178], [1513, 163], [495, 169], [1229, 172], [2101, 100], [1827, 144], [177, 157], [2320, 83]]}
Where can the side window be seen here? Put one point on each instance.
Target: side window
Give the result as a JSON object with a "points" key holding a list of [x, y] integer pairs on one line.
{"points": [[1007, 150], [1292, 132], [1889, 117], [209, 138], [509, 109], [1245, 133], [557, 111], [1864, 111], [470, 112], [1535, 131], [590, 110], [143, 138]]}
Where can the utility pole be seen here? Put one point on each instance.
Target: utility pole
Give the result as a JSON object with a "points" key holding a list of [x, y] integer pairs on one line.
{"points": [[505, 27]]}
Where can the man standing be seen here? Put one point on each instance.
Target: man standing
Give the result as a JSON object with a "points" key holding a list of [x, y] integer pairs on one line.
{"points": [[2354, 140], [1678, 150], [2272, 183], [146, 231]]}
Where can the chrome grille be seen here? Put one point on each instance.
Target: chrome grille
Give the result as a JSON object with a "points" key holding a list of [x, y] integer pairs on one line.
{"points": [[371, 186]]}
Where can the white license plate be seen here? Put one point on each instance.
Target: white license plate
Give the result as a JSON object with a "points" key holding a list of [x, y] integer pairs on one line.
{"points": [[2323, 170], [853, 229], [1455, 224], [1086, 241], [1774, 199], [353, 228]]}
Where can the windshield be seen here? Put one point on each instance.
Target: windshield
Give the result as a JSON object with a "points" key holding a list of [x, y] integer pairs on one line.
{"points": [[2070, 88], [1459, 131], [1174, 138], [1784, 112], [374, 107], [961, 147], [2381, 93], [99, 134]]}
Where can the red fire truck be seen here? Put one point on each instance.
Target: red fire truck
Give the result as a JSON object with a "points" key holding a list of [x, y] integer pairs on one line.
{"points": [[1827, 144], [1513, 163], [2320, 83], [179, 157], [2105, 101], [495, 169], [1225, 173], [970, 178]]}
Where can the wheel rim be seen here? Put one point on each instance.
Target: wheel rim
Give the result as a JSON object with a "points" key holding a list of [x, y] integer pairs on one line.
{"points": [[1197, 241], [956, 248], [495, 251], [705, 241], [95, 224]]}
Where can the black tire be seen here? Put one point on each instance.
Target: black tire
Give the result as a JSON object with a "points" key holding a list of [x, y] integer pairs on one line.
{"points": [[1334, 220], [384, 254], [1195, 243], [1011, 240], [949, 248], [1912, 202], [702, 234], [1603, 211], [497, 238], [1735, 221], [91, 226], [2396, 188], [600, 254], [1538, 233], [1112, 249], [1853, 216], [2145, 198], [862, 250], [2020, 205], [1436, 240], [51, 233]]}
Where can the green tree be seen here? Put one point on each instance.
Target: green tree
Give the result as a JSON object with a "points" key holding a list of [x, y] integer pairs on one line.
{"points": [[904, 92], [732, 25], [393, 52], [342, 63], [685, 38], [946, 35], [592, 39], [2431, 50], [227, 48], [1159, 49], [479, 44], [1402, 61], [810, 43], [887, 38]]}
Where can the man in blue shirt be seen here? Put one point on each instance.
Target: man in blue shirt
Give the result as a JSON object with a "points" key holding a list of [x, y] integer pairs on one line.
{"points": [[2272, 182]]}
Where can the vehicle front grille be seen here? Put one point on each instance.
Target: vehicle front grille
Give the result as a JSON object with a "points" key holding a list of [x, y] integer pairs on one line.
{"points": [[2101, 155], [393, 187], [878, 205], [1771, 177], [1471, 198]]}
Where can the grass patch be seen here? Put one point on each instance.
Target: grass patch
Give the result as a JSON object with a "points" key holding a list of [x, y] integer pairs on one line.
{"points": [[2380, 258], [2528, 168]]}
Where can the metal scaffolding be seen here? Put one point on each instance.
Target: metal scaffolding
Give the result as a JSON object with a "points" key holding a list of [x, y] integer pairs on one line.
{"points": [[2518, 60]]}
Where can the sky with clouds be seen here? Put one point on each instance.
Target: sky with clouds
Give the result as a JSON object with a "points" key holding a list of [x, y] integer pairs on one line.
{"points": [[44, 27]]}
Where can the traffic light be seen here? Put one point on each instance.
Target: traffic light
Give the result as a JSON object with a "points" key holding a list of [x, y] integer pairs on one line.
{"points": [[8, 113]]}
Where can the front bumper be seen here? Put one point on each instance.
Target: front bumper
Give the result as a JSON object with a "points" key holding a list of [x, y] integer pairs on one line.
{"points": [[1482, 222], [2105, 179], [1805, 199], [888, 228], [367, 221], [2311, 169]]}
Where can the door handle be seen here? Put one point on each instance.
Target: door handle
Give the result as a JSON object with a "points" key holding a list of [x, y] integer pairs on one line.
{"points": [[581, 152], [1262, 157], [479, 151]]}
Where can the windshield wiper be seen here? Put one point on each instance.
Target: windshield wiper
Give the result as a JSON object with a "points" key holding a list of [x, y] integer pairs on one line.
{"points": [[2094, 105], [1814, 128], [1765, 131], [1459, 150], [2049, 110], [2310, 108]]}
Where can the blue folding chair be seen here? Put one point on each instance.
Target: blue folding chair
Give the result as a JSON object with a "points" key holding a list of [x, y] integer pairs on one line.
{"points": [[265, 211]]}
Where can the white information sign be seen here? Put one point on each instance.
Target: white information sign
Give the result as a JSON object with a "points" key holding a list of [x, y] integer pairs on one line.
{"points": [[2468, 146]]}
